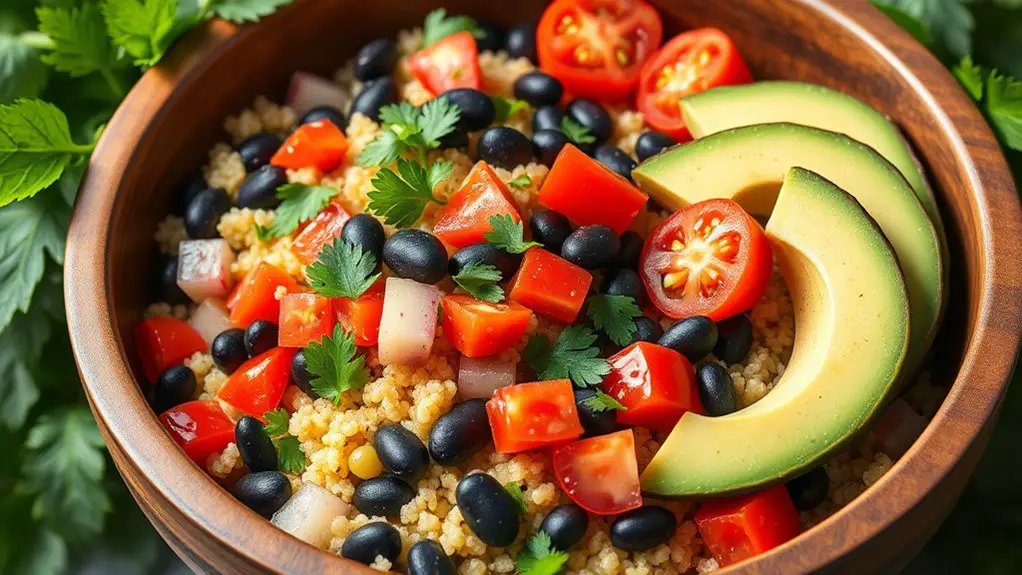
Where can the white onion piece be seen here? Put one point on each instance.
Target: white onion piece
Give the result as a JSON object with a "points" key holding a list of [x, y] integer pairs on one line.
{"points": [[309, 513], [308, 91], [408, 325], [211, 318], [204, 269], [898, 428], [480, 377]]}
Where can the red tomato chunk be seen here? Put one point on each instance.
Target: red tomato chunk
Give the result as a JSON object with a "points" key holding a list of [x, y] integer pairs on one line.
{"points": [[738, 528], [466, 216], [448, 64], [531, 415], [361, 316], [164, 342], [256, 297], [655, 383], [322, 230], [478, 328], [200, 427], [258, 385], [550, 285], [318, 144], [601, 474], [304, 318]]}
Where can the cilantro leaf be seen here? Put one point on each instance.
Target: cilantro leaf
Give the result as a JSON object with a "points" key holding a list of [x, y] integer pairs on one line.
{"points": [[514, 489], [439, 117], [507, 108], [141, 27], [405, 115], [970, 76], [576, 132], [80, 43], [263, 233], [277, 422], [22, 73], [572, 356], [522, 181], [382, 150], [615, 316], [406, 127], [508, 235], [1004, 106], [480, 281], [335, 366], [290, 455], [539, 557], [603, 402], [29, 230], [301, 203], [343, 269], [401, 199], [246, 10], [439, 26]]}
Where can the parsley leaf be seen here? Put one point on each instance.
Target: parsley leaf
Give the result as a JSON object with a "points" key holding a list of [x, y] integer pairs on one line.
{"points": [[572, 356], [576, 132], [998, 96], [335, 366], [970, 76], [439, 117], [539, 557], [277, 422], [508, 235], [141, 27], [439, 26], [382, 150], [290, 455], [263, 233], [29, 230], [507, 108], [406, 127], [401, 199], [522, 181], [514, 489], [342, 270], [603, 402], [22, 73], [80, 42], [246, 10], [404, 114], [615, 316], [480, 281], [301, 203]]}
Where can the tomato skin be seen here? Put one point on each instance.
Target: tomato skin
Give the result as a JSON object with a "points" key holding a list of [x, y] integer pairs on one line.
{"points": [[322, 230], [255, 297], [478, 328], [531, 415], [737, 528], [550, 285], [200, 427], [164, 342], [319, 144], [466, 217], [361, 316], [586, 192], [742, 276], [655, 383], [448, 64], [258, 385], [304, 318], [632, 20], [601, 473]]}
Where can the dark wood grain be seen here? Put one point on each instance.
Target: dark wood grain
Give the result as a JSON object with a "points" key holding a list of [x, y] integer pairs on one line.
{"points": [[163, 129]]}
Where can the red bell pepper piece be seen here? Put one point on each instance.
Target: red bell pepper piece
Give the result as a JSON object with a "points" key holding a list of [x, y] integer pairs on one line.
{"points": [[258, 385], [256, 296], [318, 144], [200, 427], [478, 328], [550, 285]]}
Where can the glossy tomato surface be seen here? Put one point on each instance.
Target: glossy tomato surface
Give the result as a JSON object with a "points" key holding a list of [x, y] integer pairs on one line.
{"points": [[531, 415], [448, 64], [319, 144], [258, 385], [164, 342], [656, 384], [466, 217], [200, 427], [361, 316], [601, 473], [322, 230], [737, 528], [711, 258], [550, 285], [255, 298], [304, 318], [478, 328]]}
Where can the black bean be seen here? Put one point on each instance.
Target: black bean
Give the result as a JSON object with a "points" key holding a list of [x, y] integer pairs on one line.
{"points": [[616, 159], [652, 143], [810, 489], [716, 390], [593, 117], [547, 144], [460, 433], [489, 36], [538, 89], [594, 422], [734, 339], [263, 492], [456, 139], [378, 538], [167, 287], [375, 59], [176, 385], [300, 375], [477, 109], [693, 337], [254, 445], [416, 255], [489, 510], [259, 190], [260, 337], [631, 250], [427, 557], [547, 118], [328, 113], [382, 496], [591, 247], [549, 228], [228, 350], [566, 525], [504, 147], [487, 254], [374, 95], [366, 232], [204, 212], [643, 528], [401, 452], [625, 282], [257, 149], [647, 329], [521, 42], [190, 188]]}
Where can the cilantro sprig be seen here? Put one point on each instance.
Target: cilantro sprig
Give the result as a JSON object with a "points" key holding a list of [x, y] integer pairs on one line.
{"points": [[507, 108], [343, 269], [508, 235], [603, 402], [514, 489], [572, 356], [300, 204], [576, 132], [998, 96], [522, 181], [290, 456], [540, 557], [439, 25], [263, 233], [615, 316], [407, 128], [401, 197], [276, 422], [335, 365], [480, 281]]}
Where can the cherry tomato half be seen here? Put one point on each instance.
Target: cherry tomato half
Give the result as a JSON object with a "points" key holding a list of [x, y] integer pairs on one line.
{"points": [[164, 342], [448, 64], [738, 528], [258, 385], [478, 328], [200, 427], [531, 415], [711, 258], [601, 473], [656, 384], [466, 217]]}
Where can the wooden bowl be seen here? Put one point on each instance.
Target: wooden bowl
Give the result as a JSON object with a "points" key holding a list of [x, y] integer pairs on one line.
{"points": [[172, 117]]}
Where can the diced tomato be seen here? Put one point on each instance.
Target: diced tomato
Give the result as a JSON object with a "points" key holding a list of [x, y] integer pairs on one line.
{"points": [[305, 317], [738, 528], [164, 342], [478, 328], [601, 473], [322, 230], [550, 285], [693, 62], [361, 316], [319, 144], [256, 297], [200, 427], [531, 415], [258, 385], [711, 258], [597, 47], [655, 383], [587, 192], [448, 64], [466, 216]]}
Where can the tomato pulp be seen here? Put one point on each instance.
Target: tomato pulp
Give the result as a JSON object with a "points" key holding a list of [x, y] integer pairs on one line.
{"points": [[304, 318], [531, 415], [601, 473], [448, 64], [465, 219]]}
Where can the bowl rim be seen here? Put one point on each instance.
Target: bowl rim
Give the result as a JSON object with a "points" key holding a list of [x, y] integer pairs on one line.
{"points": [[969, 407]]}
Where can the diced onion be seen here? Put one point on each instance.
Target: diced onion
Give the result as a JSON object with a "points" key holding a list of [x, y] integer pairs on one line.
{"points": [[897, 428], [308, 91], [204, 269], [309, 513], [211, 318], [408, 325], [480, 377]]}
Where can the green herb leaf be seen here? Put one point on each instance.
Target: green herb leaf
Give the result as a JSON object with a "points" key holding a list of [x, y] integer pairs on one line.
{"points": [[290, 455], [576, 132], [22, 73], [382, 150], [539, 557], [480, 281], [615, 316], [401, 199], [404, 114], [603, 402], [1004, 107], [80, 43], [439, 117], [507, 108], [342, 270], [263, 233], [514, 489], [21, 346], [406, 127], [301, 204], [522, 181], [572, 356], [335, 366], [141, 28], [970, 76], [29, 230], [439, 26], [906, 21], [508, 235], [947, 20], [277, 422], [246, 10]]}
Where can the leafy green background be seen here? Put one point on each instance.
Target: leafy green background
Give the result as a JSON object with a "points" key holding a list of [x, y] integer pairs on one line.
{"points": [[63, 508]]}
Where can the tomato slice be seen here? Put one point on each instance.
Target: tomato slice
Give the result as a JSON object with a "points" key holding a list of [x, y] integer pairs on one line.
{"points": [[711, 258], [596, 48], [531, 415], [466, 216], [737, 528], [550, 285], [304, 318], [164, 342], [200, 427], [319, 144], [587, 192], [655, 383], [322, 230], [256, 297], [448, 64], [691, 62], [361, 316], [601, 474], [258, 385], [478, 328]]}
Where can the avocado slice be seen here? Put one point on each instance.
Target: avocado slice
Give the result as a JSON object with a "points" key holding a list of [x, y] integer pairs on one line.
{"points": [[851, 309], [747, 164]]}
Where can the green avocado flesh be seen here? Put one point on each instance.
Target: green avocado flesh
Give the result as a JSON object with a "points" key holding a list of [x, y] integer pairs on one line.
{"points": [[747, 165], [851, 313]]}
